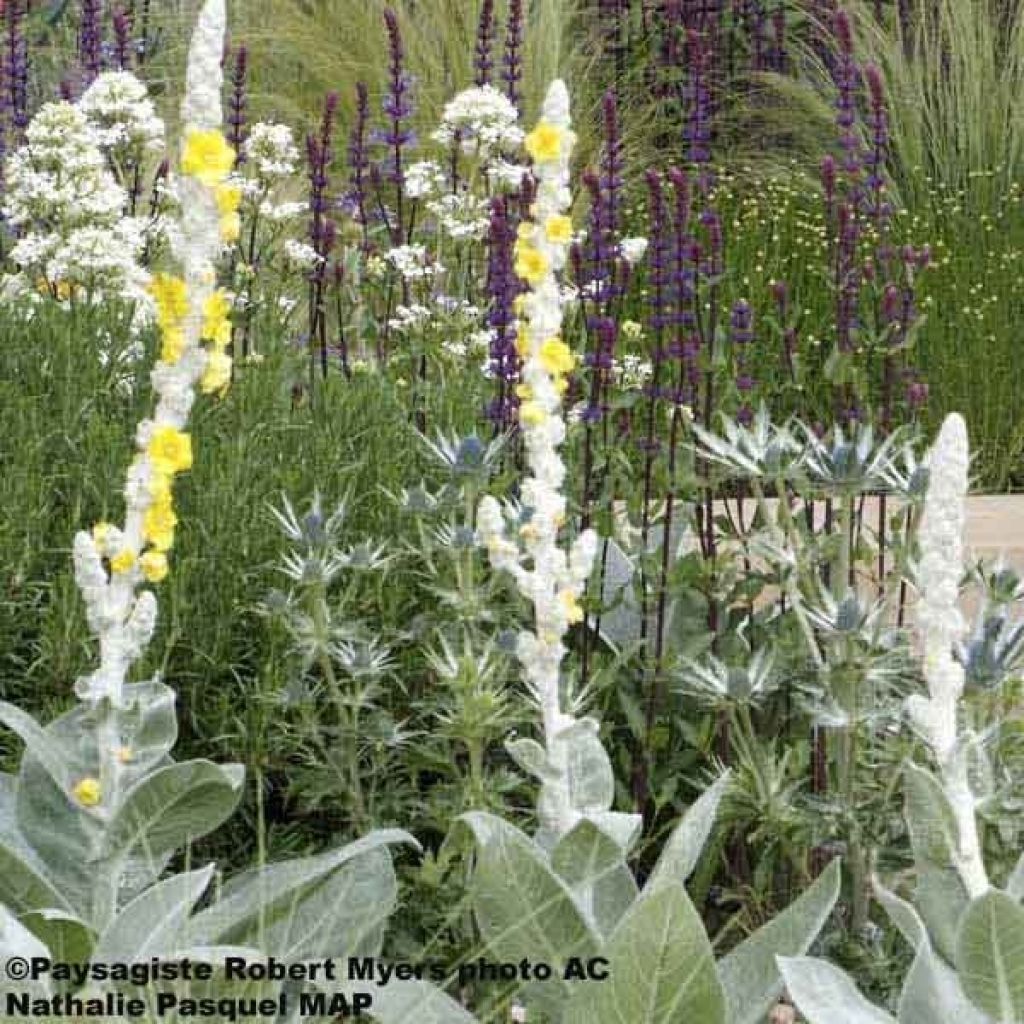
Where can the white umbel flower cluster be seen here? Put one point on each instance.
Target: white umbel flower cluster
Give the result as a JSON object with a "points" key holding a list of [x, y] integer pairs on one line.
{"points": [[527, 544], [483, 120], [940, 626], [75, 242], [112, 562], [270, 152], [117, 104]]}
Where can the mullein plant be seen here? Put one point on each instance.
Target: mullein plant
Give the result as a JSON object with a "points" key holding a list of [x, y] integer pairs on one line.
{"points": [[528, 536], [98, 807], [96, 763], [573, 895], [962, 929]]}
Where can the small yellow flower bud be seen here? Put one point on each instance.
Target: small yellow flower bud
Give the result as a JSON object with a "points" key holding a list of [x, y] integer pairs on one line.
{"points": [[87, 792], [123, 561]]}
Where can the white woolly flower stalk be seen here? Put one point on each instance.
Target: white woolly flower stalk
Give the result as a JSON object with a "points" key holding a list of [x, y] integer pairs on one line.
{"points": [[528, 547], [112, 563], [940, 625]]}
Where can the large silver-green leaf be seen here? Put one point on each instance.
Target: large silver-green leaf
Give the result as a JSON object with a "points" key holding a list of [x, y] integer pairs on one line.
{"points": [[42, 743], [682, 851], [990, 956], [155, 923], [934, 834], [661, 968], [589, 771], [902, 914], [826, 995], [24, 883], [172, 806], [16, 941], [68, 938], [148, 725], [940, 896], [64, 837], [333, 904], [749, 974], [592, 864], [931, 990], [941, 900], [1015, 883], [522, 907], [531, 757], [411, 1002]]}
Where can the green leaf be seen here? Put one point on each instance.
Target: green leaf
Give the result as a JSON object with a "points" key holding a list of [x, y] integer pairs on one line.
{"points": [[934, 835], [24, 883], [940, 896], [902, 914], [1015, 883], [592, 864], [17, 941], [156, 922], [333, 904], [989, 954], [68, 938], [531, 757], [941, 900], [661, 968], [413, 1002], [931, 990], [749, 974], [172, 806], [40, 742], [826, 995], [524, 909], [682, 851]]}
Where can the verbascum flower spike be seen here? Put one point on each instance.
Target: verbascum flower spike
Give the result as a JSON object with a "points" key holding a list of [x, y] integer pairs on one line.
{"points": [[112, 563], [940, 625], [527, 545]]}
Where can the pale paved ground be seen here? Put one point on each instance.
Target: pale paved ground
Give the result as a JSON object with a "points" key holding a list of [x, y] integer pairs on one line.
{"points": [[995, 525]]}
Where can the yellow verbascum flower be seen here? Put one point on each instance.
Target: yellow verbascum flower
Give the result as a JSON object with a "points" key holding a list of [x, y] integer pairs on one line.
{"points": [[171, 297], [230, 228], [153, 565], [216, 319], [160, 487], [217, 375], [207, 157], [522, 342], [558, 229], [172, 344], [531, 264], [123, 561], [531, 414], [556, 357], [87, 791], [229, 198], [170, 450], [545, 142], [158, 525], [571, 606], [101, 533]]}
